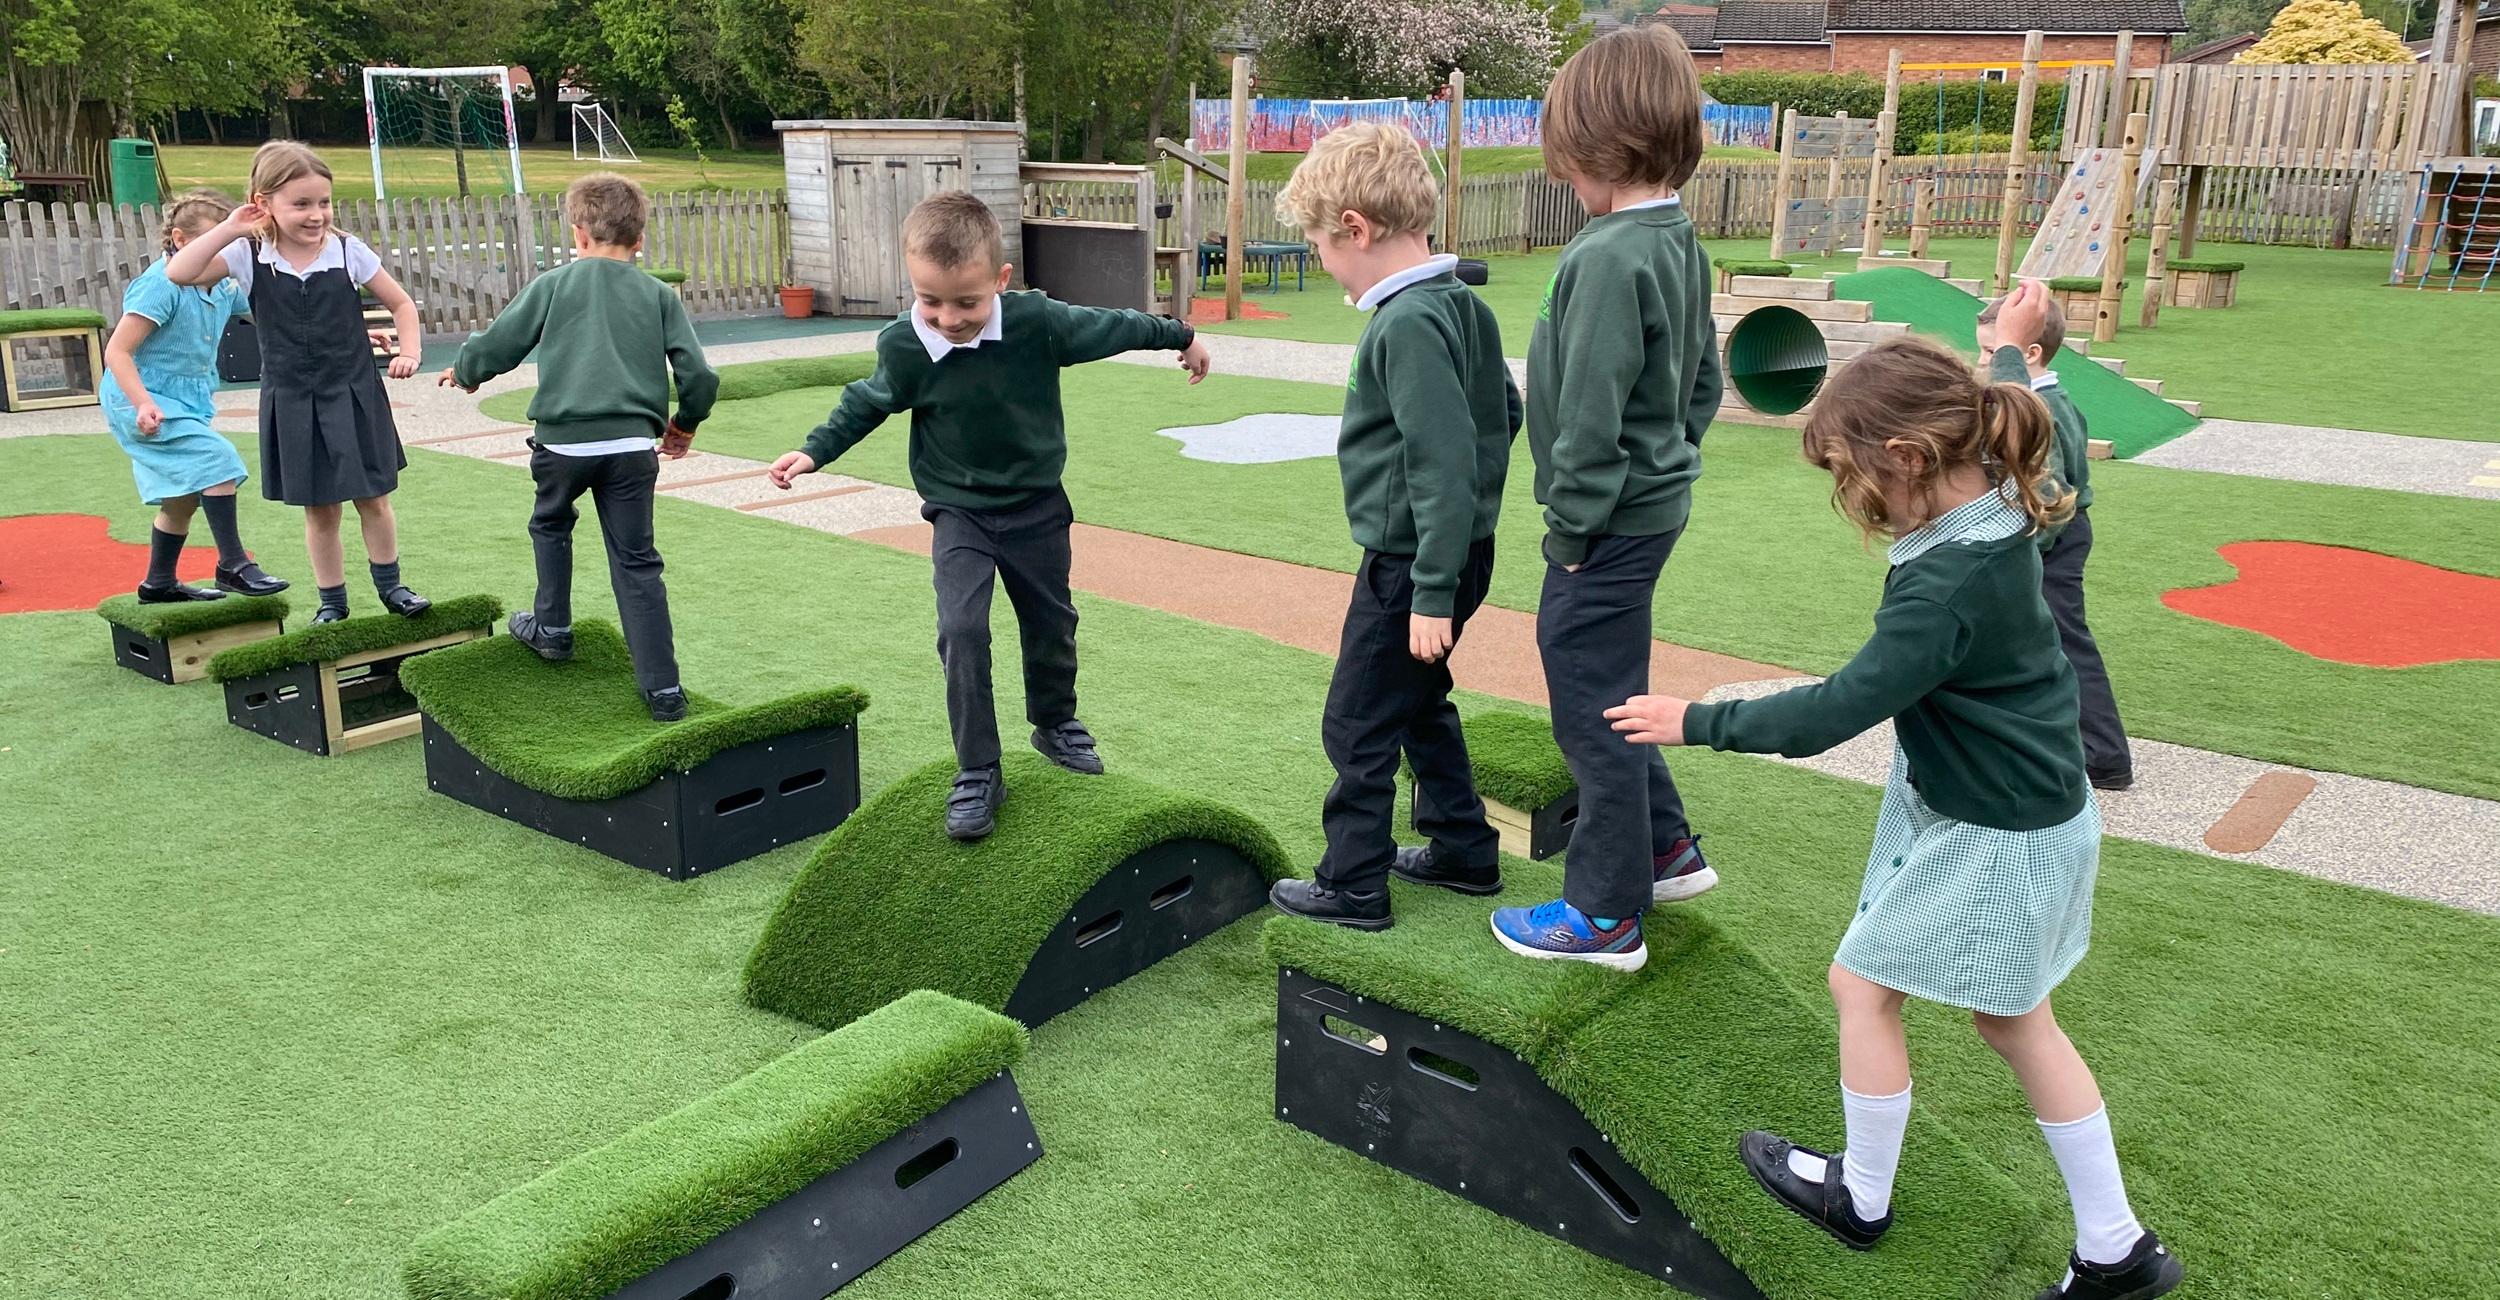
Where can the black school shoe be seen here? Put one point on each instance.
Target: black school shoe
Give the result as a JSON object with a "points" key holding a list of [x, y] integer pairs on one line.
{"points": [[2147, 1271], [1825, 1204], [405, 603], [972, 806], [667, 705], [2122, 780], [556, 647], [246, 579], [1313, 901], [175, 594], [1069, 745], [1421, 866], [329, 614]]}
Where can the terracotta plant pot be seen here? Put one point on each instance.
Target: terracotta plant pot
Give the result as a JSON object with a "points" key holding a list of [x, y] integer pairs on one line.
{"points": [[798, 301]]}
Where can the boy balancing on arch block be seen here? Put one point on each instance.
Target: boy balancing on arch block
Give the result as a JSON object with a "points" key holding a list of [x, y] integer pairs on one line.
{"points": [[978, 368]]}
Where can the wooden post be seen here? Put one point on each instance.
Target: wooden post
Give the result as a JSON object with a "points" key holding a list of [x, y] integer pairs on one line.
{"points": [[2017, 161], [1879, 169], [2191, 210], [1922, 211], [1233, 187], [1779, 188], [2121, 98], [2121, 220], [1450, 169], [2464, 59], [2157, 259], [1527, 242]]}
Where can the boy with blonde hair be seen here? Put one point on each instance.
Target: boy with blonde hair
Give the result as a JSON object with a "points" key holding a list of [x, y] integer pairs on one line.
{"points": [[978, 368], [1423, 450], [1623, 378]]}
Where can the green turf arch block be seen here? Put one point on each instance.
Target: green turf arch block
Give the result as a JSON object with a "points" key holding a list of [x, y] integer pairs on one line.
{"points": [[1656, 1076], [787, 1183], [334, 688], [44, 320], [1528, 790], [1086, 881], [569, 749], [174, 643]]}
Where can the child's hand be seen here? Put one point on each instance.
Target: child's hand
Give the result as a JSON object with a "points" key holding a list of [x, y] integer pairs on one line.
{"points": [[247, 216], [450, 378], [151, 418], [2024, 313], [1650, 719], [1194, 359], [790, 466], [675, 443], [404, 365], [1428, 638]]}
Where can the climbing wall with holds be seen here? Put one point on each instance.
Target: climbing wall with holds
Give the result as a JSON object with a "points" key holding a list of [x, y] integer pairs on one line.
{"points": [[2074, 237]]}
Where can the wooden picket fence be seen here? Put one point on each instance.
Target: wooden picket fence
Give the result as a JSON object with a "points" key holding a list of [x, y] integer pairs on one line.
{"points": [[462, 260]]}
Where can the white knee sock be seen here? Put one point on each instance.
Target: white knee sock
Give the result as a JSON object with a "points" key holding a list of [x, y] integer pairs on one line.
{"points": [[1874, 1152], [2105, 1225]]}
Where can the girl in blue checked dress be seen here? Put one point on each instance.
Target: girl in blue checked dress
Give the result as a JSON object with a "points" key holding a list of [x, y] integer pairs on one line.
{"points": [[163, 356], [1978, 893]]}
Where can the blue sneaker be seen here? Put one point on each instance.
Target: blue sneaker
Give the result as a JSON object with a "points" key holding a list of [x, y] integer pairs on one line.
{"points": [[1559, 931]]}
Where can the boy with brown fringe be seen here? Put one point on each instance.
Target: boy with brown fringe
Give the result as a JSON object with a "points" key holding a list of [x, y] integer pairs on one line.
{"points": [[1423, 449]]}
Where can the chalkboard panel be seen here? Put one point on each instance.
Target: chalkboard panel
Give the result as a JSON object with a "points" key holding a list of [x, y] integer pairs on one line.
{"points": [[1090, 263]]}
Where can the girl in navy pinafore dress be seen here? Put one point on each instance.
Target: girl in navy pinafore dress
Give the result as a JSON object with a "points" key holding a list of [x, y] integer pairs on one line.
{"points": [[326, 435]]}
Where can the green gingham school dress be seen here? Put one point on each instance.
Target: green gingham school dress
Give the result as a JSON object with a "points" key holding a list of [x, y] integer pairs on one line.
{"points": [[1964, 914]]}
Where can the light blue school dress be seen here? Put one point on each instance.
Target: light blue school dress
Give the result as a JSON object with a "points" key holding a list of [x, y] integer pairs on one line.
{"points": [[178, 364]]}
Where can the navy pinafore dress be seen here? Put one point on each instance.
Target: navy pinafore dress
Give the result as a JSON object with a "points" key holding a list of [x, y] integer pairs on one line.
{"points": [[326, 434]]}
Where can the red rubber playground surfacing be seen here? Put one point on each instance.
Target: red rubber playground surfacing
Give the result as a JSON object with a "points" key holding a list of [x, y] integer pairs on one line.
{"points": [[2352, 607], [50, 562]]}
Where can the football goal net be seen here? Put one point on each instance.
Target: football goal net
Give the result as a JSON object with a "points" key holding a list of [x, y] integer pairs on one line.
{"points": [[441, 130], [595, 135]]}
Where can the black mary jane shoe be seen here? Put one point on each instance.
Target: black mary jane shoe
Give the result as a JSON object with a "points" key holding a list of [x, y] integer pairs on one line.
{"points": [[329, 614], [246, 579], [1313, 901], [2147, 1271], [176, 594], [1069, 745], [1423, 866], [972, 806], [1825, 1204], [405, 603]]}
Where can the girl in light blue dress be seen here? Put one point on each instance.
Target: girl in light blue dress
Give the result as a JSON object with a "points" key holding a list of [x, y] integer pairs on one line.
{"points": [[163, 356]]}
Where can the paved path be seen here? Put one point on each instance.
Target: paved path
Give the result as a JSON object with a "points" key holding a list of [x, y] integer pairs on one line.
{"points": [[2437, 466]]}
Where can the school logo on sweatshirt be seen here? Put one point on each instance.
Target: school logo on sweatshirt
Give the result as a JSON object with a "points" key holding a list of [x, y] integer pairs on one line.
{"points": [[1353, 371], [1545, 309]]}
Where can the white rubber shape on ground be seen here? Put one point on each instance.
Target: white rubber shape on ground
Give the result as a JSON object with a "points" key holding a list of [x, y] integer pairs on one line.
{"points": [[1259, 439]]}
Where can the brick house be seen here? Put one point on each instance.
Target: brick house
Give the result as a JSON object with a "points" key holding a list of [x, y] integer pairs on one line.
{"points": [[1858, 35], [2486, 41]]}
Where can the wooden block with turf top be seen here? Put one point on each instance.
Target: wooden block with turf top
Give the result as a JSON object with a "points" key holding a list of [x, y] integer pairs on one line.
{"points": [[569, 749], [1605, 1109], [32, 382], [785, 1185], [174, 642], [1087, 881], [334, 688], [1527, 788]]}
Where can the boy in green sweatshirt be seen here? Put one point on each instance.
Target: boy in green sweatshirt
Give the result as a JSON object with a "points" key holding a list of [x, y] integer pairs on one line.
{"points": [[608, 338], [1623, 378], [978, 368], [1424, 447]]}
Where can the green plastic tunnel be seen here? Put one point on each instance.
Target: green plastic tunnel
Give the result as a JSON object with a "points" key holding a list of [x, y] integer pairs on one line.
{"points": [[1776, 360]]}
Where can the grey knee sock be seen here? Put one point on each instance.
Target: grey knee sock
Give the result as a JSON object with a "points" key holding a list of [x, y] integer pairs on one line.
{"points": [[385, 577]]}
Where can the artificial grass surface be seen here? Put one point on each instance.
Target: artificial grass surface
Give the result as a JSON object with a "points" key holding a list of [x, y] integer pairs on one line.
{"points": [[321, 642], [608, 1216], [165, 622], [1673, 1064], [745, 381], [580, 729], [999, 898], [28, 320], [1765, 571], [1515, 758], [265, 1063]]}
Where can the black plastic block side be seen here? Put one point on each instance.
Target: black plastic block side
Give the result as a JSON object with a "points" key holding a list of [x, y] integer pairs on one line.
{"points": [[1156, 903]]}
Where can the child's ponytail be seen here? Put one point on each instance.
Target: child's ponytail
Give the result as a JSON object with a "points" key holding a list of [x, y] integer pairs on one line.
{"points": [[2016, 436]]}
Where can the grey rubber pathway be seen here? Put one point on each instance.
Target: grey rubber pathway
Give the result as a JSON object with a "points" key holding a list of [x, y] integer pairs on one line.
{"points": [[2347, 457]]}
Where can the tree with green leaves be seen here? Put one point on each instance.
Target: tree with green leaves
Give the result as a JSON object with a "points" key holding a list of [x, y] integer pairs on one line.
{"points": [[2326, 31], [912, 58]]}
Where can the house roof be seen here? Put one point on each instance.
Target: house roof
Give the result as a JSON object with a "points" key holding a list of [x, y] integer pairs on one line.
{"points": [[1700, 31], [1771, 20], [2216, 51], [2150, 16]]}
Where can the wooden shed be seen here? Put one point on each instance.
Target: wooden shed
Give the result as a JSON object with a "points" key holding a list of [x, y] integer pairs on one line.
{"points": [[851, 182]]}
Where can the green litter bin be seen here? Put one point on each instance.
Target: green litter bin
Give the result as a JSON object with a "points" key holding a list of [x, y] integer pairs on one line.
{"points": [[134, 173]]}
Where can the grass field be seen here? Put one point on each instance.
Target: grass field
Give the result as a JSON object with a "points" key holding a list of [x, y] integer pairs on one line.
{"points": [[427, 173], [267, 1019]]}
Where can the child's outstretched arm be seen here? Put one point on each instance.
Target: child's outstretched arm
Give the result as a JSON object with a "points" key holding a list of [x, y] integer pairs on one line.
{"points": [[1437, 439], [1601, 362], [865, 404], [121, 357], [202, 260], [1916, 646], [1085, 334], [503, 344]]}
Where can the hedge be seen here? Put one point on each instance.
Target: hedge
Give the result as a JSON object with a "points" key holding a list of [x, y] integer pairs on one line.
{"points": [[1823, 94]]}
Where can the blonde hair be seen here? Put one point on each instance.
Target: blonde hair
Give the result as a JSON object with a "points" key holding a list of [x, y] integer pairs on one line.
{"points": [[954, 228], [2052, 329], [1372, 168], [1626, 110], [276, 165], [1910, 394], [192, 212], [609, 208]]}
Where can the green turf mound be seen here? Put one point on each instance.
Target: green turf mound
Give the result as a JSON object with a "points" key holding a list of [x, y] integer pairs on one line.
{"points": [[611, 1215], [667, 274], [165, 622], [322, 642], [36, 319], [580, 729], [1516, 760], [827, 955], [2211, 265], [1675, 1063], [2130, 418], [742, 382]]}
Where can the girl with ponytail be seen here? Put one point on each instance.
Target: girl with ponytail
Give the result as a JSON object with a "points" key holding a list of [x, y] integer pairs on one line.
{"points": [[1978, 893]]}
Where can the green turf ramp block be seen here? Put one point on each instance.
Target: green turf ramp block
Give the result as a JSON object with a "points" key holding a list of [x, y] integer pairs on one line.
{"points": [[603, 1219], [36, 320], [186, 618], [1515, 758], [324, 642], [1085, 873]]}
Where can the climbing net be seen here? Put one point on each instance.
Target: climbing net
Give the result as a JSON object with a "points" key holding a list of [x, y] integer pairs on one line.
{"points": [[2456, 215]]}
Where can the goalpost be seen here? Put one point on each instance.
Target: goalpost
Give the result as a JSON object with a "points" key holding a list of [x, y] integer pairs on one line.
{"points": [[461, 109], [607, 141]]}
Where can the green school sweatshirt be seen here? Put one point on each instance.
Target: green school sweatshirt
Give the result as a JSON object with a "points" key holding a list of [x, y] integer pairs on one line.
{"points": [[1424, 446], [1966, 663], [608, 337], [986, 427], [2072, 462], [1623, 380]]}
